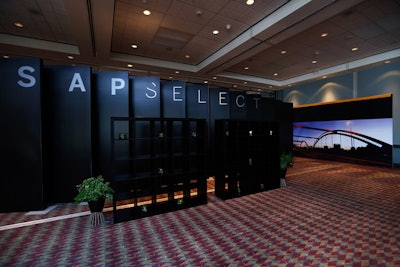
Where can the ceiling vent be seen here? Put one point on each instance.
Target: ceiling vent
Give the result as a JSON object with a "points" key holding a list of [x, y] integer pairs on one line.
{"points": [[171, 38]]}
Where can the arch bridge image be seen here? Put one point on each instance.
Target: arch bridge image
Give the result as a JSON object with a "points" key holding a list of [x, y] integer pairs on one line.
{"points": [[374, 152]]}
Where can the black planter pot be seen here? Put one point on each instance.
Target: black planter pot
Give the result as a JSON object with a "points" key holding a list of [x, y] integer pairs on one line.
{"points": [[97, 206]]}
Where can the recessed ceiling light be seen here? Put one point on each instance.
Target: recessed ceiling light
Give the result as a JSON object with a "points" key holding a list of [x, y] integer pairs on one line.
{"points": [[187, 56], [354, 49], [275, 74], [129, 65], [214, 77], [70, 57], [177, 72], [246, 68], [324, 34], [5, 56], [324, 77], [205, 81], [18, 24], [283, 52], [314, 61], [134, 46], [245, 82], [215, 32], [249, 2], [234, 86], [387, 61], [146, 12]]}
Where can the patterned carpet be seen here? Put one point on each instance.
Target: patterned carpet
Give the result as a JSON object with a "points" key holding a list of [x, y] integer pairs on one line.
{"points": [[330, 214]]}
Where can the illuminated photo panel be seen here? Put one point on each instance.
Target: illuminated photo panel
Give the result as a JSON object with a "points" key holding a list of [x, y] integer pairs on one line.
{"points": [[353, 131], [366, 141]]}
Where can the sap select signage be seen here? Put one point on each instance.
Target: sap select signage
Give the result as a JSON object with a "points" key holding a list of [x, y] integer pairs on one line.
{"points": [[150, 88], [57, 116]]}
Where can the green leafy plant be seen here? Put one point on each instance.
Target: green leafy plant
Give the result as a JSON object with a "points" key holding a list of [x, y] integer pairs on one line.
{"points": [[92, 189], [286, 160]]}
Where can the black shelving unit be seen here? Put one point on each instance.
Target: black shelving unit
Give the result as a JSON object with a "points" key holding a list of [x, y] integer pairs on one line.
{"points": [[160, 165], [247, 157]]}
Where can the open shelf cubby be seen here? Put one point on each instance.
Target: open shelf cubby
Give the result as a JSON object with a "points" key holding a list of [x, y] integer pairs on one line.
{"points": [[247, 159], [159, 165]]}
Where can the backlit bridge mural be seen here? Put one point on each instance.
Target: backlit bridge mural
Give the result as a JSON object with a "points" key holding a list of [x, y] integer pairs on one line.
{"points": [[342, 144]]}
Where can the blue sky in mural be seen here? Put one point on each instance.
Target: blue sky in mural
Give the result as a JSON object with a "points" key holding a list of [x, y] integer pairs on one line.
{"points": [[380, 129]]}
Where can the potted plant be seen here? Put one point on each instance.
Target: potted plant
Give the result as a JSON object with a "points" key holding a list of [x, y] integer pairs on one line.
{"points": [[95, 191], [286, 160]]}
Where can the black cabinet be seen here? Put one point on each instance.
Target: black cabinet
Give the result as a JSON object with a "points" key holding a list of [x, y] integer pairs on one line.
{"points": [[247, 157], [159, 165], [23, 183]]}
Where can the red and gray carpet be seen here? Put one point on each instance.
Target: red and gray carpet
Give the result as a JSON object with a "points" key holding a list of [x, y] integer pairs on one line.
{"points": [[330, 214]]}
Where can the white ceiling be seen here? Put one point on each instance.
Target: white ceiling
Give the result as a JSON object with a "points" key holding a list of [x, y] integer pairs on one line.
{"points": [[177, 37]]}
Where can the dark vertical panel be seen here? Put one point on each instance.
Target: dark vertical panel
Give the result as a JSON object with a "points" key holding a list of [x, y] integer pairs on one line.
{"points": [[197, 101], [271, 110], [219, 104], [173, 99], [20, 138], [146, 103], [238, 105], [110, 99], [254, 107], [197, 105], [68, 104], [219, 109], [262, 108], [285, 118], [146, 97]]}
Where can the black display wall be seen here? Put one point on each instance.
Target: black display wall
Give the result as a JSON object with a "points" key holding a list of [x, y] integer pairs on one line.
{"points": [[268, 109], [219, 103], [197, 101], [247, 157], [284, 115], [219, 109], [68, 127], [59, 130], [110, 99], [146, 97], [197, 107], [168, 162], [256, 108], [21, 151], [173, 99], [238, 105]]}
